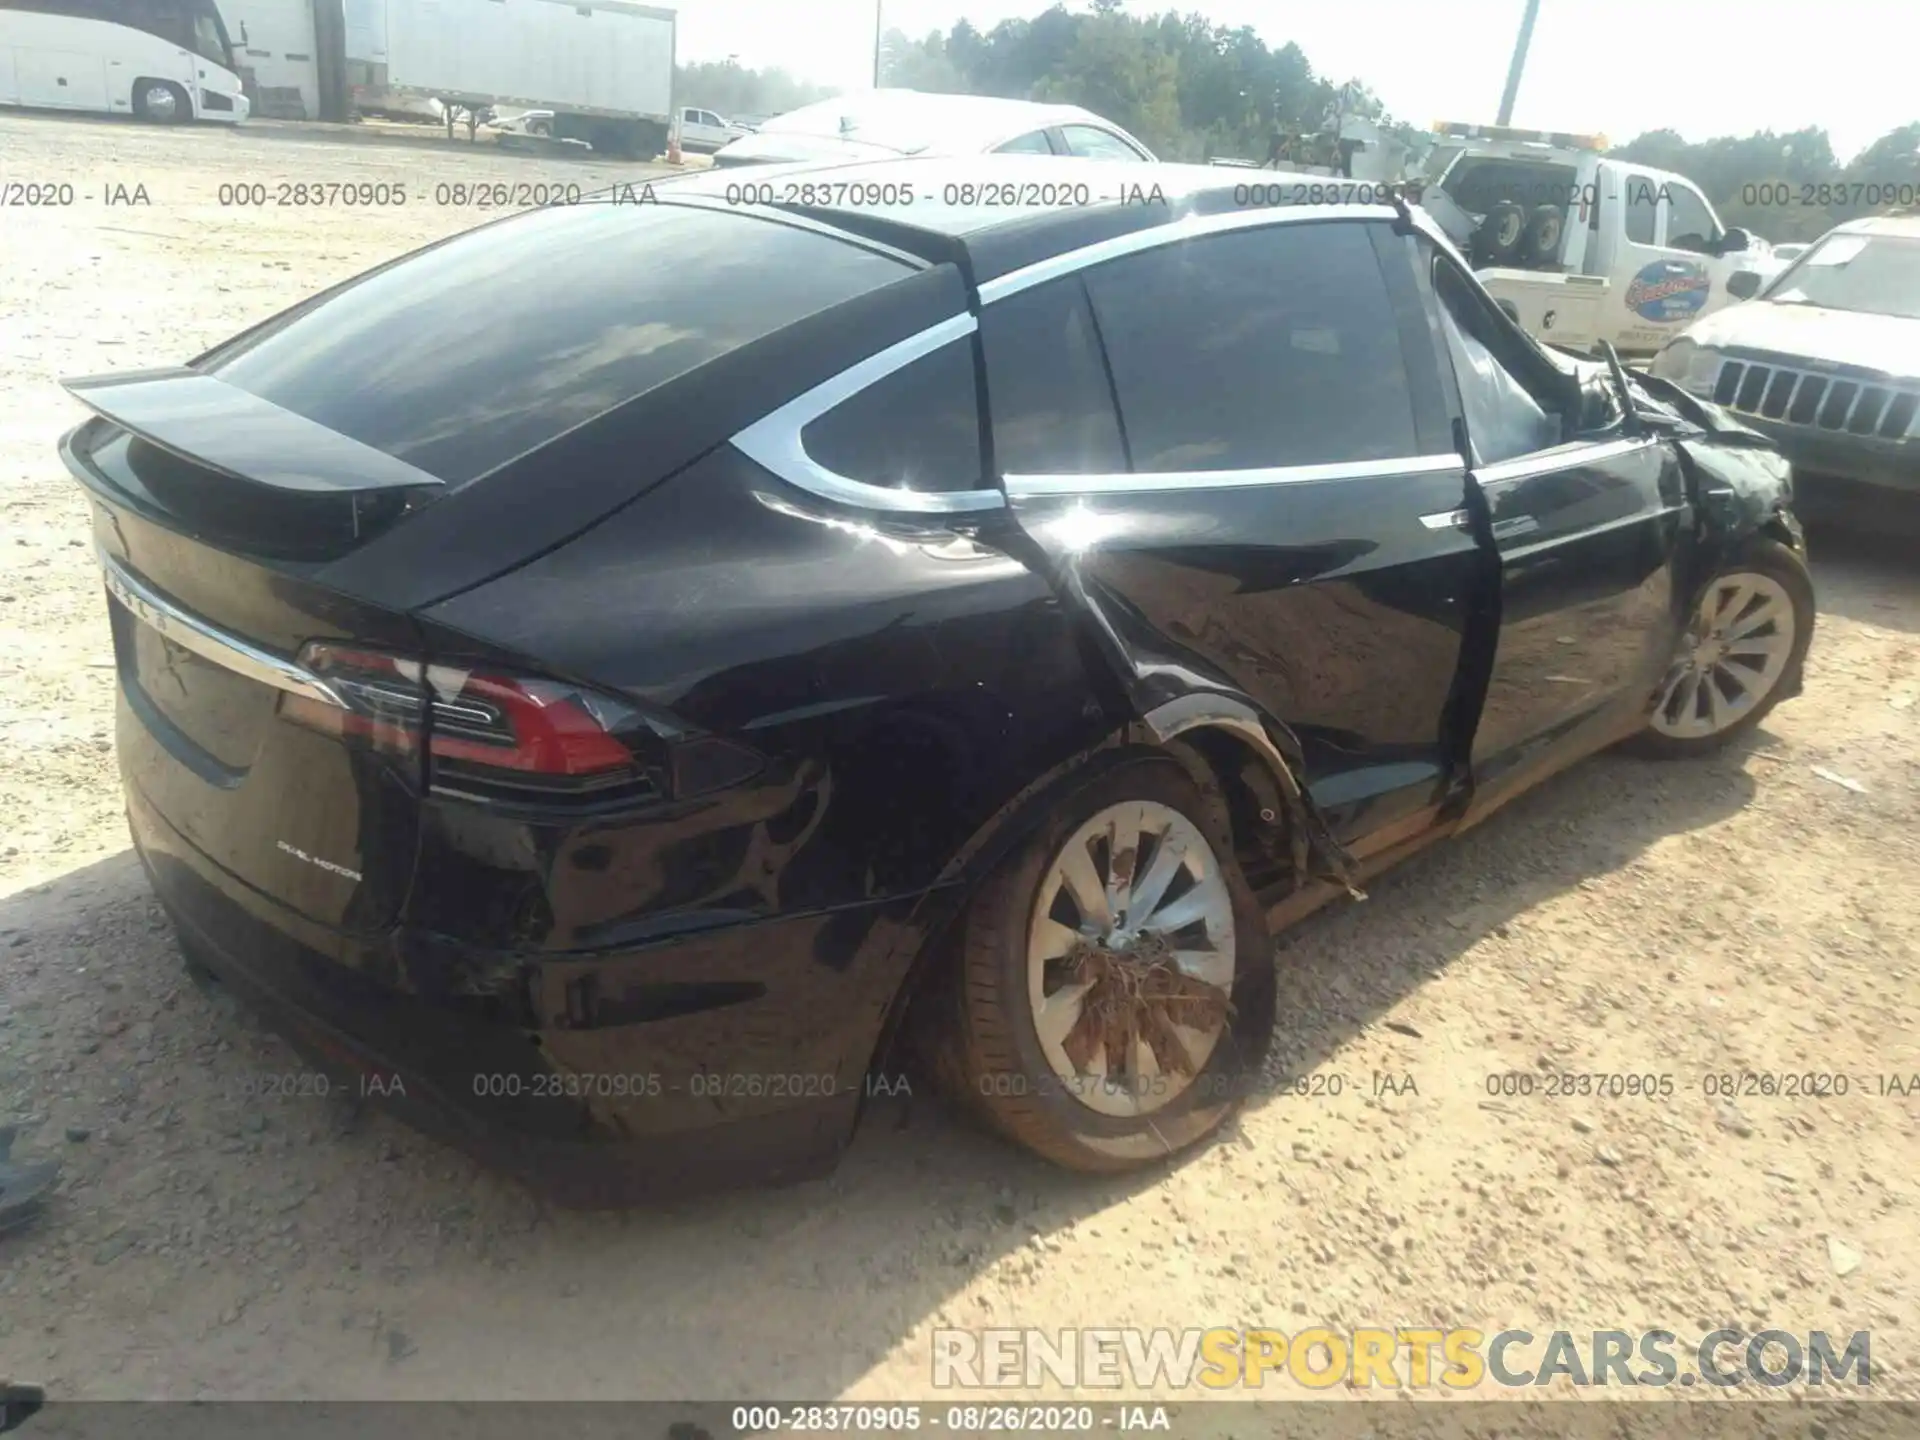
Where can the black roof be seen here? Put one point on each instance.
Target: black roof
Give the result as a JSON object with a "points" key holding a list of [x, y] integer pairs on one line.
{"points": [[993, 214]]}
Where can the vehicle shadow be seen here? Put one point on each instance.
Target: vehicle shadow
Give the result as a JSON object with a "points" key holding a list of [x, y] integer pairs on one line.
{"points": [[1338, 970], [370, 1262], [1866, 576]]}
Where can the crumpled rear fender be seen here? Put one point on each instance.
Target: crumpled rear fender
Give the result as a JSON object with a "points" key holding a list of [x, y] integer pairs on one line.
{"points": [[1174, 692]]}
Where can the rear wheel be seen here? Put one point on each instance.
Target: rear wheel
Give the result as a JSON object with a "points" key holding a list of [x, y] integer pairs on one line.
{"points": [[1749, 632], [1501, 233], [1114, 991], [161, 101], [1543, 235]]}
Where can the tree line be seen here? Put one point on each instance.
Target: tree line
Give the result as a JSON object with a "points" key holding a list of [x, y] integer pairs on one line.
{"points": [[1194, 90]]}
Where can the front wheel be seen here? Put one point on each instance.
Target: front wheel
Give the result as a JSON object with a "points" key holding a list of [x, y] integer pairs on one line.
{"points": [[1749, 633], [1114, 994], [161, 101]]}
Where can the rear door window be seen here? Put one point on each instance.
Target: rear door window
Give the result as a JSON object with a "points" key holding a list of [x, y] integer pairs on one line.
{"points": [[461, 357], [916, 429], [1097, 144], [1274, 346], [1047, 386], [1034, 142]]}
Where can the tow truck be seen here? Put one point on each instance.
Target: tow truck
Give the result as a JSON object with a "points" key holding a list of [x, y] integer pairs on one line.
{"points": [[1579, 247]]}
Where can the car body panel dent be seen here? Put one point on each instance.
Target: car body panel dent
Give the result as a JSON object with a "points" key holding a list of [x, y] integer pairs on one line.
{"points": [[1738, 482], [902, 679]]}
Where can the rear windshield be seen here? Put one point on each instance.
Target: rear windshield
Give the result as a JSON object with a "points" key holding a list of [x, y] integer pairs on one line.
{"points": [[1479, 182], [463, 357]]}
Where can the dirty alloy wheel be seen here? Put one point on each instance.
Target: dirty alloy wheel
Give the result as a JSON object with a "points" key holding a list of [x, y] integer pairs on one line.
{"points": [[160, 101], [540, 127], [1113, 996], [1749, 632]]}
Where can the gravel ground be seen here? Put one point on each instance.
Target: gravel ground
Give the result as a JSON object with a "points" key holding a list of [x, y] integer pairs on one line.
{"points": [[1747, 914]]}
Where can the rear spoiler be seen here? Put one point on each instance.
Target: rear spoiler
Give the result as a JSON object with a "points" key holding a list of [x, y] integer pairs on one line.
{"points": [[220, 427]]}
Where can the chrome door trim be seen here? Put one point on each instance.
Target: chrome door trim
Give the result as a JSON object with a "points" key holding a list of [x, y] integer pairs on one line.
{"points": [[1152, 237], [1139, 482], [1561, 457], [208, 641], [1520, 551], [1447, 520], [773, 441]]}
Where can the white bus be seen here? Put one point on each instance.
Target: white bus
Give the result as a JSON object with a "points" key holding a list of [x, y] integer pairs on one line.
{"points": [[167, 61]]}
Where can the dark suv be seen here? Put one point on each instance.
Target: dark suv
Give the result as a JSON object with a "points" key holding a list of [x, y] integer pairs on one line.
{"points": [[606, 673]]}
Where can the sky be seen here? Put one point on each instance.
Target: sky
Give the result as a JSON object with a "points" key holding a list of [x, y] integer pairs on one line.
{"points": [[1618, 67]]}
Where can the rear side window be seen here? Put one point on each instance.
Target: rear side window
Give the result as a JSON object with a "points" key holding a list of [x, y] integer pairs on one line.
{"points": [[1267, 347], [1047, 388], [461, 357], [1034, 142], [918, 428], [1097, 144]]}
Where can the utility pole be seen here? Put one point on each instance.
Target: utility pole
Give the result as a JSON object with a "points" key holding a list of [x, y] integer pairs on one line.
{"points": [[1519, 63], [877, 4]]}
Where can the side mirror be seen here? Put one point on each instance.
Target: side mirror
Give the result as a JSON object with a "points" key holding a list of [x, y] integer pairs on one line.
{"points": [[1743, 284], [1735, 239]]}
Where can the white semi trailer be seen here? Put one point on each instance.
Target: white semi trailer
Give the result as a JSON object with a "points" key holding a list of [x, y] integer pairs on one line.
{"points": [[603, 67]]}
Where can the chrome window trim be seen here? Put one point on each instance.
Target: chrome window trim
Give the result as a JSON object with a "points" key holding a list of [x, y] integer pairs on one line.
{"points": [[773, 441], [208, 641], [1561, 457], [1152, 237], [1021, 487]]}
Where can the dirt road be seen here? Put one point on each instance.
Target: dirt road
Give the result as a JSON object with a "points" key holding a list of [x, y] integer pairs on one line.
{"points": [[1745, 915]]}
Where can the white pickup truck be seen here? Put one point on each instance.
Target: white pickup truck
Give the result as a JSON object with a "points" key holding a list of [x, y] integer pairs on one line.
{"points": [[1581, 248]]}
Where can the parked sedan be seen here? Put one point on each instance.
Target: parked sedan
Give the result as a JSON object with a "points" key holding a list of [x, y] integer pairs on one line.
{"points": [[1826, 360], [611, 716], [886, 124]]}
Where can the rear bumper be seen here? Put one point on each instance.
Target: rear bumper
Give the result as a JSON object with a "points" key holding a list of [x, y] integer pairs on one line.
{"points": [[591, 1114]]}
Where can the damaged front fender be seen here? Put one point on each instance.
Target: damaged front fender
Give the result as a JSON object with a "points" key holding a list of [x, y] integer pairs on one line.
{"points": [[1739, 484]]}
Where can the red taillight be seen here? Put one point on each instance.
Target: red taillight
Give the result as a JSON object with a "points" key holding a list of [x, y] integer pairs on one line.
{"points": [[488, 734]]}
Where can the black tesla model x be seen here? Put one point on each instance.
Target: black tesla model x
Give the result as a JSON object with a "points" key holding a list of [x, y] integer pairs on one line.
{"points": [[610, 674]]}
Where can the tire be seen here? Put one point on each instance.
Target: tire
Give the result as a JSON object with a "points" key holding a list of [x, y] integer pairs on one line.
{"points": [[988, 1052], [161, 102], [1542, 245], [1684, 723], [540, 127], [1503, 231]]}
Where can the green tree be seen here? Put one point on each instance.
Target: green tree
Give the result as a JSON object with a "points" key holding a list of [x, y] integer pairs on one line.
{"points": [[1195, 90]]}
